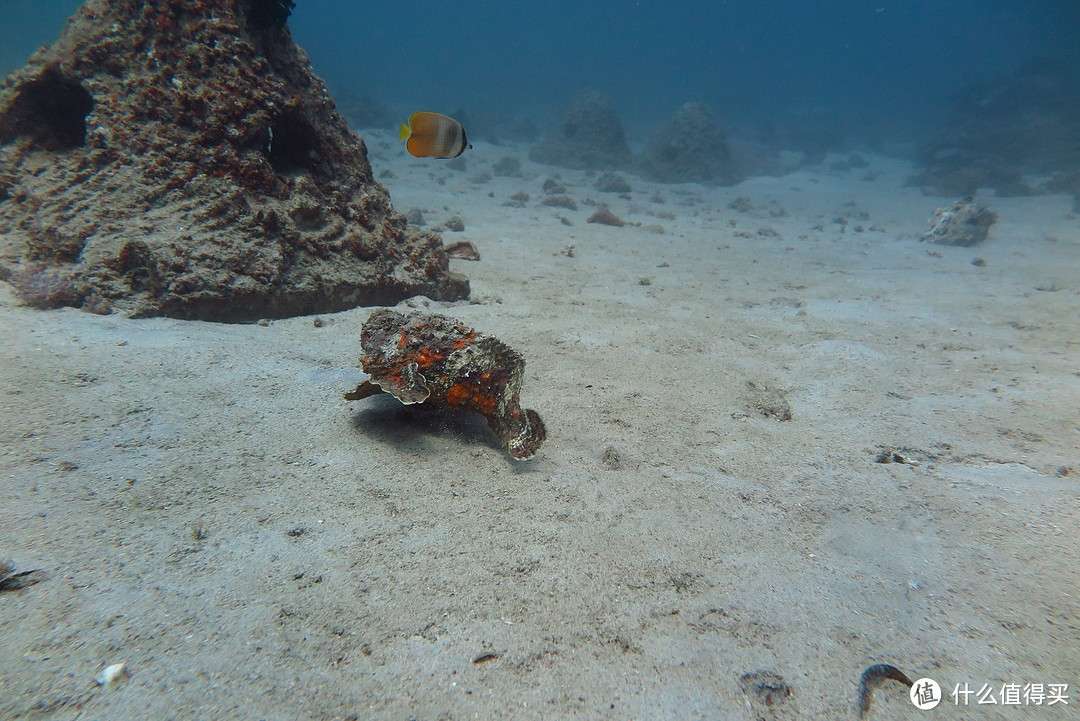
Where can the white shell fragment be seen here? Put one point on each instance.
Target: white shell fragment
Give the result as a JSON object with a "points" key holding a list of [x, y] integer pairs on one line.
{"points": [[112, 676]]}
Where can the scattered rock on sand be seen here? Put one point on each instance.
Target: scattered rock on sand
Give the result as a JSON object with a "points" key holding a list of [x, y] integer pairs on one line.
{"points": [[553, 187], [606, 217], [964, 223], [560, 201], [454, 224], [612, 183], [507, 167], [742, 204]]}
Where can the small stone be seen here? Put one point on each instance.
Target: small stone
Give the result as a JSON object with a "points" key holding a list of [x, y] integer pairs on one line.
{"points": [[112, 676], [612, 183], [553, 187], [560, 201], [507, 167], [612, 459], [742, 204], [606, 217]]}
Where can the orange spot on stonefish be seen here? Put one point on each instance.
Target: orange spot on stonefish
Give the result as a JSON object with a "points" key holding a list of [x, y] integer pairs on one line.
{"points": [[457, 394]]}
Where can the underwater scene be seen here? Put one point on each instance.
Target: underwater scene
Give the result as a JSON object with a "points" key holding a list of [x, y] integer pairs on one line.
{"points": [[613, 360]]}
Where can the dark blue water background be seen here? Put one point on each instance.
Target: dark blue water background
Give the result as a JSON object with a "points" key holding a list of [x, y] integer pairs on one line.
{"points": [[882, 67]]}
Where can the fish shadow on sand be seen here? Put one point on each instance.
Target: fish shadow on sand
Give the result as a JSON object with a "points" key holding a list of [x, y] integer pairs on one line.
{"points": [[410, 429]]}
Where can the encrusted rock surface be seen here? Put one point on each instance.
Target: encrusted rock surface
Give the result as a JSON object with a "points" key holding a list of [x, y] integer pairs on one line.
{"points": [[181, 158]]}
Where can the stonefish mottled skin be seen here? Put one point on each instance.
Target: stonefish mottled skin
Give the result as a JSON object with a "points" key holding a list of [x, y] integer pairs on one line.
{"points": [[429, 358]]}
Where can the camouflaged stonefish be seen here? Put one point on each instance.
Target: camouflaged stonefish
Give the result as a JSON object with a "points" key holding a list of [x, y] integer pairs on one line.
{"points": [[429, 358]]}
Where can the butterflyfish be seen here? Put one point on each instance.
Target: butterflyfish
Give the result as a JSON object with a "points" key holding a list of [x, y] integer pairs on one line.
{"points": [[431, 135]]}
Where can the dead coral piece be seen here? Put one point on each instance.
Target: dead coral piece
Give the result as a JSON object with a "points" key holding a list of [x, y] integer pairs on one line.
{"points": [[606, 217], [194, 166], [964, 223], [429, 358], [464, 250]]}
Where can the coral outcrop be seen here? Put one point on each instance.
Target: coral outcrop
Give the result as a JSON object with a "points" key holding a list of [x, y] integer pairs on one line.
{"points": [[590, 137], [691, 148], [1025, 123], [181, 158]]}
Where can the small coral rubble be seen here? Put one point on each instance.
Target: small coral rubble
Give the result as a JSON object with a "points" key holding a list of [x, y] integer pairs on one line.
{"points": [[429, 358]]}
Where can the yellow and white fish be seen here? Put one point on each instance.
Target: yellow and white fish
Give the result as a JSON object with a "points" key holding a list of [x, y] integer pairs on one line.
{"points": [[431, 135]]}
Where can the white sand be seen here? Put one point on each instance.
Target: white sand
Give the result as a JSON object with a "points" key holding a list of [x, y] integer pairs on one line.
{"points": [[212, 513]]}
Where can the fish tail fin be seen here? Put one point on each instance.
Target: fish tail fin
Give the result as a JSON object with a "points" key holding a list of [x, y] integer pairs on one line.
{"points": [[405, 132]]}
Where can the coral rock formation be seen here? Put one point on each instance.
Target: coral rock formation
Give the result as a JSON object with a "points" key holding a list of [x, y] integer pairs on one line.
{"points": [[181, 158], [429, 358], [998, 131], [590, 137], [691, 148]]}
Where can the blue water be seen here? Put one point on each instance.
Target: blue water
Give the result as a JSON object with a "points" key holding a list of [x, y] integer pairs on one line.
{"points": [[871, 67]]}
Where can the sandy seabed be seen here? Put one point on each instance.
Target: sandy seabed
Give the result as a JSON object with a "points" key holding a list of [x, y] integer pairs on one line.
{"points": [[209, 510]]}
